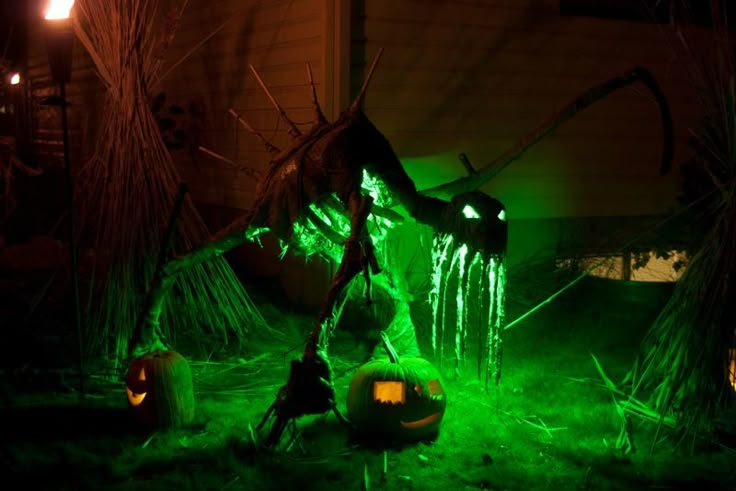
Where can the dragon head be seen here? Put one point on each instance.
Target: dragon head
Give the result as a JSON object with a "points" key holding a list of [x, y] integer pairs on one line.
{"points": [[477, 220]]}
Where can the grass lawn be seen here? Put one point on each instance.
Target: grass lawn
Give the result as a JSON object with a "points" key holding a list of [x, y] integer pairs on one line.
{"points": [[551, 424]]}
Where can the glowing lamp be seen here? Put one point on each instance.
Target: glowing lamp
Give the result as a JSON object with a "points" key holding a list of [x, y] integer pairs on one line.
{"points": [[58, 9], [59, 39], [15, 79]]}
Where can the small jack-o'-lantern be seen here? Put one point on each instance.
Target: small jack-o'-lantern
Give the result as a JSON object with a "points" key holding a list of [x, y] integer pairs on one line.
{"points": [[160, 391], [399, 399]]}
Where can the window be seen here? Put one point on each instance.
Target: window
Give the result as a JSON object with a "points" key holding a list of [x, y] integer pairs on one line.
{"points": [[648, 266]]}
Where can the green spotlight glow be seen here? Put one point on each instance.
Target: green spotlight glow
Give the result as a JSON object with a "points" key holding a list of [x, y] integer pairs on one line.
{"points": [[376, 189], [325, 228], [470, 213], [502, 215], [440, 249], [461, 321]]}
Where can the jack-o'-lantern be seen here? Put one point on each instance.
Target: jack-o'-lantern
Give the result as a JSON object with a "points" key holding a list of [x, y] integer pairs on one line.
{"points": [[400, 400], [160, 390]]}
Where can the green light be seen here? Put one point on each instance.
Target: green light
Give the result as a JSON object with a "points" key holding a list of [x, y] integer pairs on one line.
{"points": [[470, 213], [311, 231], [461, 320], [502, 215], [376, 189], [440, 248]]}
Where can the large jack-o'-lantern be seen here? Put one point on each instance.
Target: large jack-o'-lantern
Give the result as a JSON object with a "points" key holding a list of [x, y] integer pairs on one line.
{"points": [[160, 390], [396, 399]]}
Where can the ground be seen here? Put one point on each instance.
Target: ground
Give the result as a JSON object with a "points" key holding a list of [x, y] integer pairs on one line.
{"points": [[550, 424]]}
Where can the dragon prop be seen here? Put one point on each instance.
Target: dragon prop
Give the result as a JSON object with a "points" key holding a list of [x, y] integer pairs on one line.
{"points": [[325, 169]]}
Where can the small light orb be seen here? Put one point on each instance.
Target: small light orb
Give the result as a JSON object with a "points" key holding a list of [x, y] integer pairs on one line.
{"points": [[470, 213]]}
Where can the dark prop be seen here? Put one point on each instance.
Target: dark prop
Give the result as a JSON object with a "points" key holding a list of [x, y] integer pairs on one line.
{"points": [[328, 162]]}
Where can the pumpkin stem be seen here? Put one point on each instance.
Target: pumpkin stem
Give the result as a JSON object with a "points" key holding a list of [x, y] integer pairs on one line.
{"points": [[393, 356]]}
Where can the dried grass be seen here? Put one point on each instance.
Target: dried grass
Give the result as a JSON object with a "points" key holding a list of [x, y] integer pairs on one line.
{"points": [[127, 190], [684, 370]]}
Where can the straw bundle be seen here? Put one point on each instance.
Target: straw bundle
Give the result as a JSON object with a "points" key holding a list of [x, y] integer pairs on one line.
{"points": [[685, 364], [127, 189]]}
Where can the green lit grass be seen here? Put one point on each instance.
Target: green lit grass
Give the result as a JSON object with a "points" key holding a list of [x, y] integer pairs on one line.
{"points": [[549, 425]]}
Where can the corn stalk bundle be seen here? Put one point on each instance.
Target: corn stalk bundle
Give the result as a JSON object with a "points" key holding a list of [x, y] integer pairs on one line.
{"points": [[685, 365], [127, 189]]}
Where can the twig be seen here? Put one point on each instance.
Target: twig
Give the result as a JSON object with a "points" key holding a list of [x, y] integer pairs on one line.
{"points": [[542, 426], [194, 48]]}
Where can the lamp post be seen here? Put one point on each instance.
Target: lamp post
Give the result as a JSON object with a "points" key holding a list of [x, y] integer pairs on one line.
{"points": [[59, 44]]}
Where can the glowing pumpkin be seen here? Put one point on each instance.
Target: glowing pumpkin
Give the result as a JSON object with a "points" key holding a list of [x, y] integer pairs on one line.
{"points": [[160, 390], [398, 399]]}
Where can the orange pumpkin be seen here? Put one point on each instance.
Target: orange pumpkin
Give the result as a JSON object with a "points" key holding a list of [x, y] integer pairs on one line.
{"points": [[401, 400], [160, 390]]}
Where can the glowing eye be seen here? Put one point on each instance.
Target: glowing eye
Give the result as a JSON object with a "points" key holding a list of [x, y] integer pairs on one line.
{"points": [[389, 391], [470, 213], [418, 389], [502, 215], [435, 388]]}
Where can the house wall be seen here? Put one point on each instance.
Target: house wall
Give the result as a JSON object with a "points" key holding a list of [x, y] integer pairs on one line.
{"points": [[206, 73], [475, 76], [278, 37], [469, 76]]}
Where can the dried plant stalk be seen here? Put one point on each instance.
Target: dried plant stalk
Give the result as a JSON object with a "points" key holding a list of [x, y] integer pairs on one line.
{"points": [[127, 190], [684, 368]]}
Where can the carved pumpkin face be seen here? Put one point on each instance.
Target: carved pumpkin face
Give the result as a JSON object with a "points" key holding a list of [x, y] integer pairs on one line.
{"points": [[159, 389], [137, 398], [401, 400]]}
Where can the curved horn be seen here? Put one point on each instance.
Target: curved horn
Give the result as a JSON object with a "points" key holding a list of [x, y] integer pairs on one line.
{"points": [[315, 102], [588, 98], [269, 146], [361, 95]]}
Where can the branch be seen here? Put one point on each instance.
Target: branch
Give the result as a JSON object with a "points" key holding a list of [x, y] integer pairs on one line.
{"points": [[587, 99]]}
